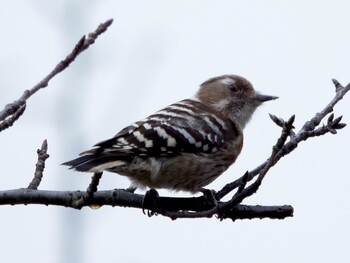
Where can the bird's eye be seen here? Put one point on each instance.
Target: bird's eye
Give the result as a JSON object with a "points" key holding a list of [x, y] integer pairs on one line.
{"points": [[233, 87]]}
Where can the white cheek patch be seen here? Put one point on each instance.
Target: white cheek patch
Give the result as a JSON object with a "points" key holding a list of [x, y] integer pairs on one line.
{"points": [[222, 104], [227, 81]]}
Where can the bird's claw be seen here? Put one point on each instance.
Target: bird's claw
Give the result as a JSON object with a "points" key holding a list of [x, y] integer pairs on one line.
{"points": [[209, 196], [149, 202]]}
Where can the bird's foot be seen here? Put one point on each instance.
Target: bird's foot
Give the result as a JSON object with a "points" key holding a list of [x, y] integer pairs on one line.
{"points": [[209, 196], [149, 202]]}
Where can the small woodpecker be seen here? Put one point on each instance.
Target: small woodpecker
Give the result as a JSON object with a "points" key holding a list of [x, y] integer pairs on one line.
{"points": [[184, 146]]}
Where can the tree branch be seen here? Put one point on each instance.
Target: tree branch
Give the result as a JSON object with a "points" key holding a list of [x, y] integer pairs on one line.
{"points": [[7, 123], [40, 166], [307, 131], [170, 207], [14, 110]]}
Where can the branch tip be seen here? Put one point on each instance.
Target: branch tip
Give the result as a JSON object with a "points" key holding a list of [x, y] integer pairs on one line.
{"points": [[278, 121], [330, 118], [335, 82], [337, 120], [340, 126], [291, 121], [109, 22], [44, 146], [337, 85]]}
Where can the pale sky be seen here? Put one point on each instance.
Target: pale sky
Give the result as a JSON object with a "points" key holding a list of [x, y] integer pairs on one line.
{"points": [[154, 54]]}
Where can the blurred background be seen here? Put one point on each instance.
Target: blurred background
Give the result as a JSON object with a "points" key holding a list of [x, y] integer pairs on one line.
{"points": [[156, 53]]}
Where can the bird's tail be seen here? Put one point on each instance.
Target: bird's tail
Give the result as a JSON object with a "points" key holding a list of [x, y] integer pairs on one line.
{"points": [[94, 163]]}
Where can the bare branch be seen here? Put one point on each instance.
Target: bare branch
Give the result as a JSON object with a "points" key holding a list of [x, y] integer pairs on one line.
{"points": [[250, 212], [92, 188], [244, 192], [248, 176], [7, 123], [167, 206], [316, 120], [40, 166], [95, 180], [16, 108]]}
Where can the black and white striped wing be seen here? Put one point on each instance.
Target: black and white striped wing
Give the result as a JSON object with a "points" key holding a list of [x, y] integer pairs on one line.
{"points": [[186, 126]]}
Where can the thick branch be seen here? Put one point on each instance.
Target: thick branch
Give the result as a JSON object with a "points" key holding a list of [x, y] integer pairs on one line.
{"points": [[169, 206]]}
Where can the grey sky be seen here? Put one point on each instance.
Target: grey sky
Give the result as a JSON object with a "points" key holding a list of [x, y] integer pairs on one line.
{"points": [[156, 53]]}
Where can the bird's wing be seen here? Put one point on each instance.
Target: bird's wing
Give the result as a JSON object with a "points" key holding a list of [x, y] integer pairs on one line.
{"points": [[177, 128], [184, 127]]}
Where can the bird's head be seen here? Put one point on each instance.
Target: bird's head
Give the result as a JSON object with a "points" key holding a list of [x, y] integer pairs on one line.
{"points": [[233, 96]]}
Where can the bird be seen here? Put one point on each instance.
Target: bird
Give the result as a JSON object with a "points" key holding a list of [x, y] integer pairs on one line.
{"points": [[184, 146]]}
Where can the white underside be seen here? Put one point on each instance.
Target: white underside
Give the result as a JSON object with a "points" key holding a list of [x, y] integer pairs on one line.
{"points": [[105, 166]]}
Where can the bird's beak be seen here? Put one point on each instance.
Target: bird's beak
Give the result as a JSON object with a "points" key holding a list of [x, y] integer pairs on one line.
{"points": [[263, 98]]}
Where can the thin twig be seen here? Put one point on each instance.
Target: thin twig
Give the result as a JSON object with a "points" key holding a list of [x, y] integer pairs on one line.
{"points": [[92, 188], [250, 212], [316, 120], [243, 193], [281, 149], [305, 133], [7, 123], [13, 108], [40, 166]]}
